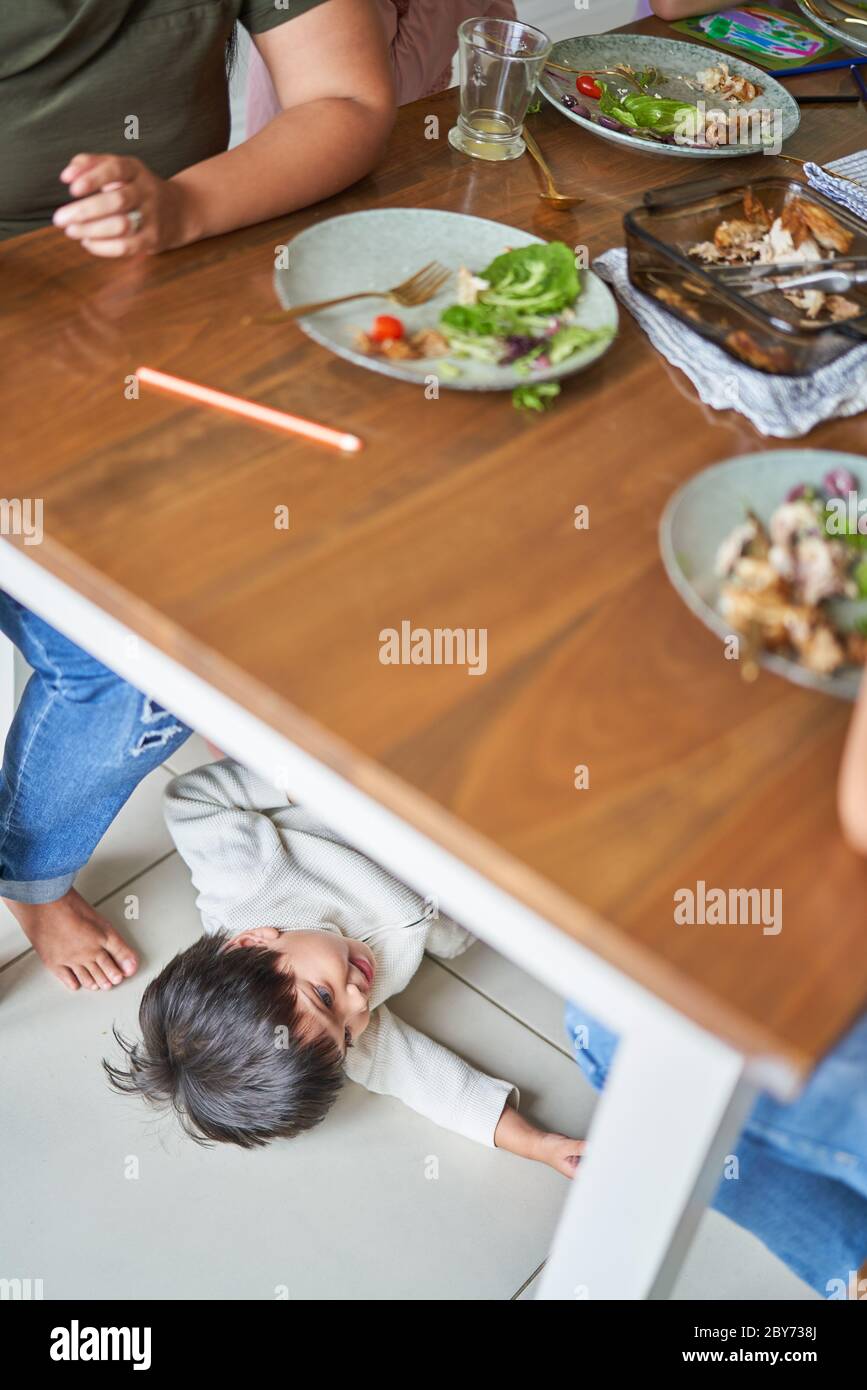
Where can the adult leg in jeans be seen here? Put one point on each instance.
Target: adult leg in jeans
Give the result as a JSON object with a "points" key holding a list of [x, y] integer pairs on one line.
{"points": [[800, 1183], [81, 741]]}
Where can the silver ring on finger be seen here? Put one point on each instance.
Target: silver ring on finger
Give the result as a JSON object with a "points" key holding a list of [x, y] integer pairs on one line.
{"points": [[135, 218]]}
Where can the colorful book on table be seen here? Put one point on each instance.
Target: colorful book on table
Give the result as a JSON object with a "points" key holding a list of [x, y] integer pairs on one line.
{"points": [[758, 34]]}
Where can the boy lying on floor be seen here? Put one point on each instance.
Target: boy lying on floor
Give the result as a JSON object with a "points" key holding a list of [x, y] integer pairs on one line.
{"points": [[249, 1032]]}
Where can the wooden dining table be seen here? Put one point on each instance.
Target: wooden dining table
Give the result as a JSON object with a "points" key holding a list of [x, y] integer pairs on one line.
{"points": [[610, 755]]}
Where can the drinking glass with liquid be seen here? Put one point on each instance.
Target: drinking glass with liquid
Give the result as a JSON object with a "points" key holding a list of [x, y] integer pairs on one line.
{"points": [[501, 60]]}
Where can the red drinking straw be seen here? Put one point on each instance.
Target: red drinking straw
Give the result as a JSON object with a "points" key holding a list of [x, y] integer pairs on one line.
{"points": [[250, 410]]}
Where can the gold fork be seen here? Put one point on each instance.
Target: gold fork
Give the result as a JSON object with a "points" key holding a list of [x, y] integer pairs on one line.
{"points": [[418, 289], [599, 72], [832, 173]]}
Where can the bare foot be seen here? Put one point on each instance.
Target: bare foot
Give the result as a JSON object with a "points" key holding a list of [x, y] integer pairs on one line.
{"points": [[74, 942]]}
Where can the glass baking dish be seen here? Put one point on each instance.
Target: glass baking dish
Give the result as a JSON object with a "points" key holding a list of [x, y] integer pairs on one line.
{"points": [[765, 332]]}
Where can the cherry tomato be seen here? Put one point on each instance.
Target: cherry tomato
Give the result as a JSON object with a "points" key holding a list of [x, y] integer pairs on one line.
{"points": [[386, 329], [588, 86]]}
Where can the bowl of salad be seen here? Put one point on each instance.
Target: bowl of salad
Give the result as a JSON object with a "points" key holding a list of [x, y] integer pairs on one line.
{"points": [[769, 550], [516, 313]]}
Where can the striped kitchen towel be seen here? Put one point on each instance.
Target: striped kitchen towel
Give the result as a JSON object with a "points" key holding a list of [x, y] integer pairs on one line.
{"points": [[854, 166], [785, 407]]}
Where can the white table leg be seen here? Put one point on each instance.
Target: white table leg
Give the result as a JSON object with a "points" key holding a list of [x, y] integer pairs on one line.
{"points": [[669, 1115], [7, 686]]}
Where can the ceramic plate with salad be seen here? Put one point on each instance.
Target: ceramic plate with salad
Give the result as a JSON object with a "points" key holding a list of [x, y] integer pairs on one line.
{"points": [[516, 313], [773, 547], [666, 97]]}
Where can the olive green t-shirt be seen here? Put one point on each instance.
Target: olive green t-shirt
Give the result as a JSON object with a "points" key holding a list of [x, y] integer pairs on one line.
{"points": [[84, 76]]}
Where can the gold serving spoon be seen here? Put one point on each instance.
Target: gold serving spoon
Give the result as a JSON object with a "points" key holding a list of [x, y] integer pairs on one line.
{"points": [[552, 195]]}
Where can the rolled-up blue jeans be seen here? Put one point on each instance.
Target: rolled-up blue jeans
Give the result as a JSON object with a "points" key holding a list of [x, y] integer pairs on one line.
{"points": [[81, 741], [800, 1182]]}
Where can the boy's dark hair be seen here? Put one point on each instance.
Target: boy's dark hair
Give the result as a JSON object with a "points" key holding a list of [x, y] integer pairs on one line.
{"points": [[222, 1044]]}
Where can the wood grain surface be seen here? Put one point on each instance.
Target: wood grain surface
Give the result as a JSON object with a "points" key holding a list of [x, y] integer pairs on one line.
{"points": [[458, 514]]}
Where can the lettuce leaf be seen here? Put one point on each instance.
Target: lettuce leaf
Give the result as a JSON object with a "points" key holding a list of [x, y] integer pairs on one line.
{"points": [[538, 279], [539, 397], [571, 339], [527, 287], [481, 320], [610, 104]]}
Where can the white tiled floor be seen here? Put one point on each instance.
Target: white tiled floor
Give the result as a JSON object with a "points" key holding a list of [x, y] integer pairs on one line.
{"points": [[347, 1212]]}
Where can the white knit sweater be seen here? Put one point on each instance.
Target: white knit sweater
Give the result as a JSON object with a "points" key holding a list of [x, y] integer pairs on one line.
{"points": [[258, 861]]}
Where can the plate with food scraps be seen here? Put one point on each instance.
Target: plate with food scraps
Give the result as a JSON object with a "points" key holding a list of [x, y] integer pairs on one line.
{"points": [[515, 311], [849, 29], [772, 547], [666, 97]]}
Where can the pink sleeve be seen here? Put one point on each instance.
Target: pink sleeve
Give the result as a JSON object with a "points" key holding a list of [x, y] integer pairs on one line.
{"points": [[262, 103], [422, 35], [427, 41]]}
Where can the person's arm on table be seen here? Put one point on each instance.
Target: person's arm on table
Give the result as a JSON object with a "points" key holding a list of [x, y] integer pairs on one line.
{"points": [[673, 10], [852, 784], [331, 72]]}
